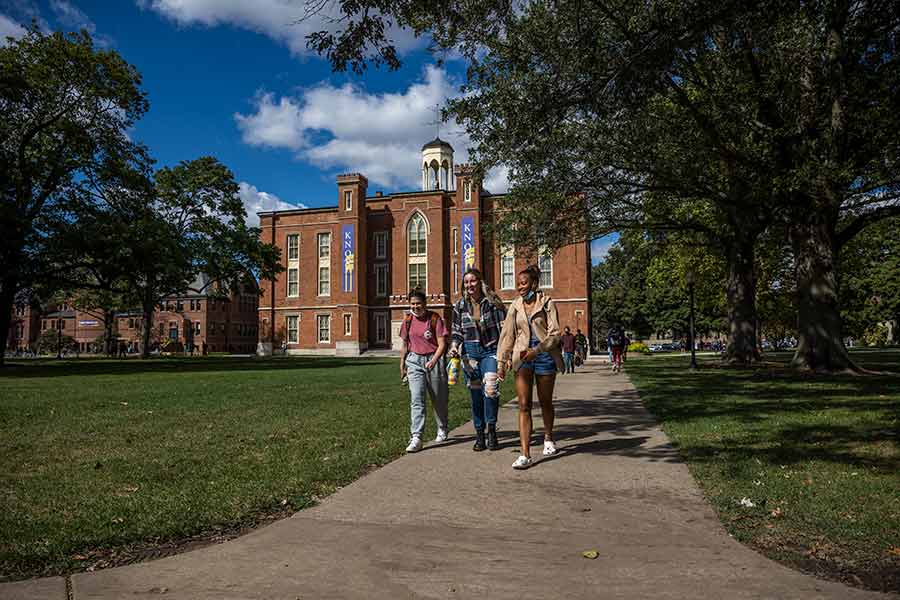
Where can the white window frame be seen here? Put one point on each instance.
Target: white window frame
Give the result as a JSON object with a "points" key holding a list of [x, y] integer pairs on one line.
{"points": [[324, 263], [455, 242], [382, 280], [293, 246], [295, 271], [319, 328], [348, 324], [296, 329], [467, 191], [545, 255], [348, 200], [420, 259], [381, 320], [380, 244], [507, 253]]}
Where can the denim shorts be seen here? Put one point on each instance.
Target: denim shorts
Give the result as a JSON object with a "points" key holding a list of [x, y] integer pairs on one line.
{"points": [[543, 364]]}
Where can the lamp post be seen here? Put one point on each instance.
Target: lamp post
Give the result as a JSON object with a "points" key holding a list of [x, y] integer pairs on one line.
{"points": [[59, 323], [690, 277]]}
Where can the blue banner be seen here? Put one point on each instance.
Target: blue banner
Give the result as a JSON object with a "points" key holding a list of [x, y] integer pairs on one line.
{"points": [[348, 256], [467, 227]]}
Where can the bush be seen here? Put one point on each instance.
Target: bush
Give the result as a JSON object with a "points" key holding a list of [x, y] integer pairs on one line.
{"points": [[877, 335], [638, 347]]}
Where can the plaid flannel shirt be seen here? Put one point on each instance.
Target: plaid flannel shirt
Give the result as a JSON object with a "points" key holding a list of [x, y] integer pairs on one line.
{"points": [[466, 330]]}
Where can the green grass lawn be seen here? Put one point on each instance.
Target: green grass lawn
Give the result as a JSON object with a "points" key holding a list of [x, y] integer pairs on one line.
{"points": [[818, 457], [103, 460]]}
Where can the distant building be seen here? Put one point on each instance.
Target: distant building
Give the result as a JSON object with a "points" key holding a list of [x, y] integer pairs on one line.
{"points": [[349, 267], [203, 319]]}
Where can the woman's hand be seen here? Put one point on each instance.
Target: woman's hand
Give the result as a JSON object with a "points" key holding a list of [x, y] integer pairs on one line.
{"points": [[402, 369], [530, 355], [430, 364]]}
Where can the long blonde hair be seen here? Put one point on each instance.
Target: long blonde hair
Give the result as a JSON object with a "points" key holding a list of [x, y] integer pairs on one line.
{"points": [[486, 290]]}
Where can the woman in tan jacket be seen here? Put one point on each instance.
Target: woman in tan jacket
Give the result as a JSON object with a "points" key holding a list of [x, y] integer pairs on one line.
{"points": [[529, 345]]}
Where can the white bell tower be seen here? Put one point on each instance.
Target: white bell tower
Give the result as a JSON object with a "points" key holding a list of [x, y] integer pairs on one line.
{"points": [[437, 165]]}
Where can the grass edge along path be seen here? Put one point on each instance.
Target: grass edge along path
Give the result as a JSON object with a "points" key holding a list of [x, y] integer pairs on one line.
{"points": [[106, 462], [803, 468]]}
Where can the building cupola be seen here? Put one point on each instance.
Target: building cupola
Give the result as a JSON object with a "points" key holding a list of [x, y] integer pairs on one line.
{"points": [[437, 165]]}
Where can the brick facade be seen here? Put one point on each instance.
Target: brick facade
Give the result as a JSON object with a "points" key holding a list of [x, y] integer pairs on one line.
{"points": [[383, 246]]}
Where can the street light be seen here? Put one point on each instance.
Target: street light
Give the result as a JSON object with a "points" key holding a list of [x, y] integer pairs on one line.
{"points": [[690, 277]]}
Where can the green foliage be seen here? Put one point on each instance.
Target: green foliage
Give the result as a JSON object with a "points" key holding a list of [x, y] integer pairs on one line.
{"points": [[876, 335], [639, 347]]}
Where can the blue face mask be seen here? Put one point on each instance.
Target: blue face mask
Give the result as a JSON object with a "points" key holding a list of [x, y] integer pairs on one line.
{"points": [[529, 296]]}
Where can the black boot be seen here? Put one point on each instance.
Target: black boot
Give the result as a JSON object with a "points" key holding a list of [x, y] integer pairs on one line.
{"points": [[492, 443], [479, 440]]}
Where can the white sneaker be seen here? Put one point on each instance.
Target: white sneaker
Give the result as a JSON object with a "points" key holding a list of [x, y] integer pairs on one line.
{"points": [[523, 462], [415, 444], [441, 435], [549, 448]]}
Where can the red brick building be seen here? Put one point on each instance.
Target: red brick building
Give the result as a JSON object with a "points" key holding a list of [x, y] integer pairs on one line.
{"points": [[349, 267], [202, 319]]}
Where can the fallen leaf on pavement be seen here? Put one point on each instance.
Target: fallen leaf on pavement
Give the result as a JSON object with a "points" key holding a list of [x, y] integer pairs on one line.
{"points": [[591, 554]]}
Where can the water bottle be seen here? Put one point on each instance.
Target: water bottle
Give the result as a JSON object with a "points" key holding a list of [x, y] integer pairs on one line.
{"points": [[453, 371]]}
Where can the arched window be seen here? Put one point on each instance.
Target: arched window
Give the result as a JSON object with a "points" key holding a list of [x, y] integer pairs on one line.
{"points": [[417, 237]]}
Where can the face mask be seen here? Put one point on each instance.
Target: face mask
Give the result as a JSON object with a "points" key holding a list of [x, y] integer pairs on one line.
{"points": [[529, 296]]}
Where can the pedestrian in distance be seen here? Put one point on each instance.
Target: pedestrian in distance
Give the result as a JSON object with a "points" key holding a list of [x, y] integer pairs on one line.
{"points": [[477, 318], [581, 343], [423, 367], [529, 346], [615, 340], [567, 343]]}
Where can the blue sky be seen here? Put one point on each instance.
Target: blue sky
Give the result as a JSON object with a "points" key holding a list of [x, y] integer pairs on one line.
{"points": [[233, 79]]}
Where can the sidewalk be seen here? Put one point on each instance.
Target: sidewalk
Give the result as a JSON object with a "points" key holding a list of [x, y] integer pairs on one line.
{"points": [[451, 523]]}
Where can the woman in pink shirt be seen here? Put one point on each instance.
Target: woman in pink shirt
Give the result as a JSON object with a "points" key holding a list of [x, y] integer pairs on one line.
{"points": [[424, 338]]}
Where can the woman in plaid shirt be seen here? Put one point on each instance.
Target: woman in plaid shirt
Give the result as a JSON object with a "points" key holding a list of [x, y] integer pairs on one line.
{"points": [[477, 318]]}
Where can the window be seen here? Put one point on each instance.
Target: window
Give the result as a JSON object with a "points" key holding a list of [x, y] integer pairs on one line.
{"points": [[507, 268], [348, 324], [381, 280], [324, 245], [293, 333], [348, 200], [417, 276], [545, 264], [180, 306], [381, 244], [418, 268], [380, 328], [467, 191], [324, 325], [197, 328], [198, 305], [455, 242], [293, 247], [416, 235], [293, 282], [130, 323], [455, 275]]}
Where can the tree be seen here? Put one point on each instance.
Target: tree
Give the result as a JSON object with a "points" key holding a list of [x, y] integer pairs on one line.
{"points": [[191, 222], [64, 106]]}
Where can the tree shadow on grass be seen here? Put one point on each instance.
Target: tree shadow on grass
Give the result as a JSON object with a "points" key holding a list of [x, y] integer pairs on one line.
{"points": [[41, 368]]}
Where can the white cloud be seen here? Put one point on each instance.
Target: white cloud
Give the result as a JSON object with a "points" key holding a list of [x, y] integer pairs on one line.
{"points": [[347, 129], [256, 201], [9, 28], [70, 16], [285, 21], [600, 247]]}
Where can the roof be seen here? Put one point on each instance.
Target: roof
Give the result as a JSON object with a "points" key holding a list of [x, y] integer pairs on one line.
{"points": [[437, 143]]}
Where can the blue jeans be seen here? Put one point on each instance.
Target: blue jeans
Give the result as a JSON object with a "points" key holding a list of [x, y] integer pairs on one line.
{"points": [[569, 361], [480, 370]]}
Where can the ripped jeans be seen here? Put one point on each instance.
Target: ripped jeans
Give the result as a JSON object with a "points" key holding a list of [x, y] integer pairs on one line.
{"points": [[480, 369]]}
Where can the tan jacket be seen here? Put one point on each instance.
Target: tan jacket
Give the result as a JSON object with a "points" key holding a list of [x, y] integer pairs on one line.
{"points": [[515, 335]]}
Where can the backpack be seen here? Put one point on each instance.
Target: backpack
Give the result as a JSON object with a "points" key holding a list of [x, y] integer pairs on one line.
{"points": [[617, 338], [407, 322]]}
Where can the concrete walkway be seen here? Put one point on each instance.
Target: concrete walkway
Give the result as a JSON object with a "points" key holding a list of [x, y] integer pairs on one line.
{"points": [[451, 523]]}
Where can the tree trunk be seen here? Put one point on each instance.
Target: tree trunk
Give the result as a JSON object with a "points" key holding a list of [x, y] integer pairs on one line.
{"points": [[147, 307], [741, 297], [7, 299], [108, 323], [820, 342]]}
